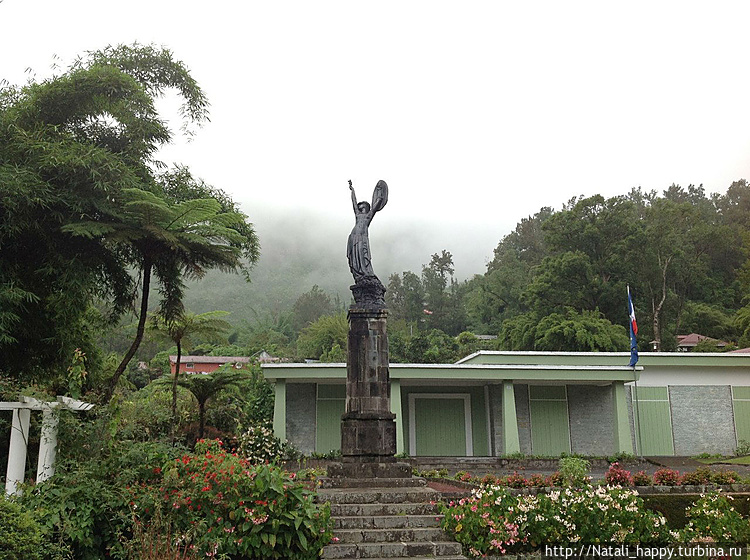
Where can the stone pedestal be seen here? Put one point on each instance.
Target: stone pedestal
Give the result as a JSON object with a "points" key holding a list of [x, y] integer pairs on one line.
{"points": [[368, 428]]}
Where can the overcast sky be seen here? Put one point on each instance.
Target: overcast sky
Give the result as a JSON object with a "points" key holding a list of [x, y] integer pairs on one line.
{"points": [[476, 113]]}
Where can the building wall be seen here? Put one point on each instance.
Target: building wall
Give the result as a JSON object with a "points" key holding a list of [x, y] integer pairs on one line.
{"points": [[702, 419], [300, 415], [591, 413]]}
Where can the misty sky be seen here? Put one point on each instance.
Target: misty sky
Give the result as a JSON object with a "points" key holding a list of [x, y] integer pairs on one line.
{"points": [[476, 113]]}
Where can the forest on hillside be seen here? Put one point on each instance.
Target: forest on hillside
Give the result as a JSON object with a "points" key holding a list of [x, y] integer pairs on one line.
{"points": [[557, 282]]}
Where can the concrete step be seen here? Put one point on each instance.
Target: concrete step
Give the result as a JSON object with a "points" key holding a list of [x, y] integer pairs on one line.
{"points": [[375, 509], [407, 535], [435, 549], [412, 482], [377, 495], [387, 521]]}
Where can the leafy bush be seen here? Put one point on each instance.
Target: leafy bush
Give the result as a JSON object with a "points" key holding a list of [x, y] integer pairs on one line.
{"points": [[725, 477], [575, 471], [712, 518], [642, 478], [666, 477], [224, 505], [743, 448], [698, 477], [617, 476], [20, 534]]}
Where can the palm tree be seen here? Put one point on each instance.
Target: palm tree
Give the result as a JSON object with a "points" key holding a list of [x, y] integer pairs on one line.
{"points": [[204, 387], [180, 330], [172, 241]]}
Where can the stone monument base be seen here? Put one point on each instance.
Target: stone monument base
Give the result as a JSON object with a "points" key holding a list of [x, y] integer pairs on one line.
{"points": [[368, 434], [363, 469]]}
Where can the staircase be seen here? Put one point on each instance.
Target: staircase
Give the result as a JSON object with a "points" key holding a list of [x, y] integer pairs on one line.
{"points": [[394, 518]]}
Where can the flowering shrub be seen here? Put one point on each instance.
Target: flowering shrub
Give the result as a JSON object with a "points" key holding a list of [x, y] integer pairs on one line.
{"points": [[224, 505], [713, 519], [515, 480], [258, 444], [725, 477], [617, 476], [642, 478], [492, 521], [666, 477]]}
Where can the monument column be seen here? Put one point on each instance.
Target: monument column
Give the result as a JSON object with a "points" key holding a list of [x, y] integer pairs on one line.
{"points": [[368, 430]]}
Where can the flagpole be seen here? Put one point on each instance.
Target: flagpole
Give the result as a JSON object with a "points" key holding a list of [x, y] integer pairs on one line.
{"points": [[634, 396]]}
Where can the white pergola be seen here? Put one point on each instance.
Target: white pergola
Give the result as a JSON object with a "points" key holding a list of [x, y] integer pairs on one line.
{"points": [[19, 437]]}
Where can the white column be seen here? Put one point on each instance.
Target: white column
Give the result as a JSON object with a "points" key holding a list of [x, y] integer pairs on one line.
{"points": [[19, 439], [47, 446]]}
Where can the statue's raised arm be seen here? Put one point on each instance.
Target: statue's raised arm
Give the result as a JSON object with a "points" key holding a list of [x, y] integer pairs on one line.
{"points": [[368, 290]]}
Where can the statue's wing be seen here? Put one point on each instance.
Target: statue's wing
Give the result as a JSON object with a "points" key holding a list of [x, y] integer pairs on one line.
{"points": [[379, 196]]}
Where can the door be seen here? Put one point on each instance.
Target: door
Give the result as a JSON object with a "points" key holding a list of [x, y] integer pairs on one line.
{"points": [[440, 425], [550, 429]]}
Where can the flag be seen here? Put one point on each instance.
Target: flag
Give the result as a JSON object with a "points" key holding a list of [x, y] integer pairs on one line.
{"points": [[633, 332]]}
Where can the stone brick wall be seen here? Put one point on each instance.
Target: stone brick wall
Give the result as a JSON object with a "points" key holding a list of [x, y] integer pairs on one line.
{"points": [[702, 419], [300, 415], [591, 413]]}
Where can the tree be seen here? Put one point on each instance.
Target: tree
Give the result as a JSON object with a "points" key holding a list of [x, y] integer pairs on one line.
{"points": [[322, 336], [206, 386], [82, 203], [181, 330], [310, 306], [570, 331]]}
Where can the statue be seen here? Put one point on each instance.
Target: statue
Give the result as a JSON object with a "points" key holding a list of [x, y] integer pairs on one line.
{"points": [[368, 291]]}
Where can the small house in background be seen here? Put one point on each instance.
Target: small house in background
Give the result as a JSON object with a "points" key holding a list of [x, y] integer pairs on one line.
{"points": [[206, 364], [688, 342]]}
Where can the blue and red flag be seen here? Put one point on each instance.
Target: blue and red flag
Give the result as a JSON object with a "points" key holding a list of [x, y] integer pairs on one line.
{"points": [[633, 332]]}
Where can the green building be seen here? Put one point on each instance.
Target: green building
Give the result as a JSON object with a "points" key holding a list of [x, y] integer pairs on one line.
{"points": [[540, 403]]}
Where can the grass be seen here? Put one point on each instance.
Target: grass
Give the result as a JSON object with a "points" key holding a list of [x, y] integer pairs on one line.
{"points": [[723, 460]]}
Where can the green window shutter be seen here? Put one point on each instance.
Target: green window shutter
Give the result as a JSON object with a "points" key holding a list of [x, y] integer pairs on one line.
{"points": [[741, 406]]}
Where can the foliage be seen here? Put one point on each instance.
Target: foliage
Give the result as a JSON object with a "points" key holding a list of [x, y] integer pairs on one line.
{"points": [[155, 540], [321, 336], [20, 534], [743, 448], [310, 307], [257, 444], [666, 477], [642, 478], [225, 506], [84, 203], [617, 476], [575, 471], [713, 519], [492, 521]]}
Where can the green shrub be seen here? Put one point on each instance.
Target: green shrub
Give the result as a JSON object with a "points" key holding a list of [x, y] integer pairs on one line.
{"points": [[575, 471], [642, 478], [20, 534]]}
